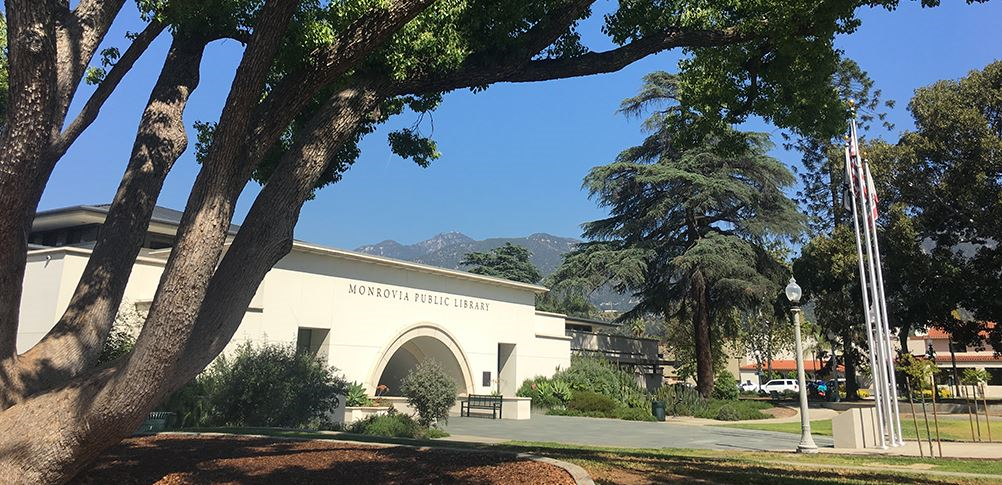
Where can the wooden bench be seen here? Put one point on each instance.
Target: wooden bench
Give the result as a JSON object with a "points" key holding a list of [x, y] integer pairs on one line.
{"points": [[481, 402], [157, 421]]}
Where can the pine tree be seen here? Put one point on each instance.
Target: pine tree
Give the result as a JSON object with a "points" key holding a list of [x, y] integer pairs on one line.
{"points": [[699, 207], [511, 262]]}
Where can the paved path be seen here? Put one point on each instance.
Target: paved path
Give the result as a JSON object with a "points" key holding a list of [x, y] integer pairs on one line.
{"points": [[619, 433], [815, 413], [950, 450]]}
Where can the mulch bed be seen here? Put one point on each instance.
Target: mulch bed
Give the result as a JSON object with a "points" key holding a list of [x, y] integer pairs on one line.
{"points": [[176, 460]]}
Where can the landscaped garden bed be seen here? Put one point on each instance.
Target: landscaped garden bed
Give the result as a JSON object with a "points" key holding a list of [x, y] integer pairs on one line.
{"points": [[180, 459]]}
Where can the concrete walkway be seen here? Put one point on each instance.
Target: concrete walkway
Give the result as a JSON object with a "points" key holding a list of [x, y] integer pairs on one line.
{"points": [[950, 450], [815, 413], [619, 433]]}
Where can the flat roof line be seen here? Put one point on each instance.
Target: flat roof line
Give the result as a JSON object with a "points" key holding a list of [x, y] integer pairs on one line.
{"points": [[423, 268]]}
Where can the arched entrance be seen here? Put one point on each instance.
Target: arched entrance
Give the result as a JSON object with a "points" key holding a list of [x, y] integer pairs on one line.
{"points": [[414, 345]]}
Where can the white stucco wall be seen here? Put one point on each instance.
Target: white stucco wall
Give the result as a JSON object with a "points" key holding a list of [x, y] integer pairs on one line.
{"points": [[368, 304]]}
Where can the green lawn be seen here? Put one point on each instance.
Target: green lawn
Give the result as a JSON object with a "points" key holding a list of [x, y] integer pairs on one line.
{"points": [[952, 428], [618, 465], [607, 465]]}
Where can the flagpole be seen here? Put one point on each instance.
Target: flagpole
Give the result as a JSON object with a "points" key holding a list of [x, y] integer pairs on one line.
{"points": [[877, 394], [883, 308], [879, 336]]}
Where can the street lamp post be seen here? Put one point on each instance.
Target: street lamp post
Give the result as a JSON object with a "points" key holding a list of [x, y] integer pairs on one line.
{"points": [[806, 445]]}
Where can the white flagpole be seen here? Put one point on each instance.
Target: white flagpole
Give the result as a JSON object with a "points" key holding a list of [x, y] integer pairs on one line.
{"points": [[881, 347], [883, 309], [877, 391]]}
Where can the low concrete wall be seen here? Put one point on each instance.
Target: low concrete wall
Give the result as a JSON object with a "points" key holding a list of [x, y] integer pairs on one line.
{"points": [[349, 414]]}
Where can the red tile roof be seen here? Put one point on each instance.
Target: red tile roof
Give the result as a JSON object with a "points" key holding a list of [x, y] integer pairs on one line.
{"points": [[967, 357], [938, 334]]}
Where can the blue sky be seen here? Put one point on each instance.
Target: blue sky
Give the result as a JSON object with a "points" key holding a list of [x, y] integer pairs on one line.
{"points": [[513, 157]]}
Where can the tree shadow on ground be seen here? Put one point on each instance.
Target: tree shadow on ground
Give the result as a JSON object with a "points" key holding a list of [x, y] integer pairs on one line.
{"points": [[251, 460], [658, 466]]}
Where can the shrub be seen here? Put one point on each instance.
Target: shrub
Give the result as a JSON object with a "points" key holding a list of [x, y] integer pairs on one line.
{"points": [[544, 392], [394, 425], [863, 393], [122, 337], [356, 395], [634, 414], [725, 386], [270, 385], [973, 376], [735, 410], [681, 400], [191, 403], [587, 401], [727, 413], [391, 425], [430, 391], [600, 376]]}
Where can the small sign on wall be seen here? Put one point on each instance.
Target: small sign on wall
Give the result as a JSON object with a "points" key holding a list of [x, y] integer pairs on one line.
{"points": [[487, 379]]}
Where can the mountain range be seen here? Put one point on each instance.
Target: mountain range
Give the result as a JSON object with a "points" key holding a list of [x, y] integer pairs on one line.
{"points": [[447, 249]]}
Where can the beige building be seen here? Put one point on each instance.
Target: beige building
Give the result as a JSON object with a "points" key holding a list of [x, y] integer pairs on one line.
{"points": [[953, 358], [372, 318]]}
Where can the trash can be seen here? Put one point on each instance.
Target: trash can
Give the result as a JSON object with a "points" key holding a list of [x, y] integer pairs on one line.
{"points": [[658, 410]]}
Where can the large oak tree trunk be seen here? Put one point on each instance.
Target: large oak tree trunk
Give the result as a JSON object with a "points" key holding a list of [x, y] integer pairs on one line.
{"points": [[27, 132], [75, 342]]}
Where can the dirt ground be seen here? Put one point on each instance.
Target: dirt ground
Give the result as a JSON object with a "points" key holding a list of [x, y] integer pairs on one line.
{"points": [[177, 460], [780, 412]]}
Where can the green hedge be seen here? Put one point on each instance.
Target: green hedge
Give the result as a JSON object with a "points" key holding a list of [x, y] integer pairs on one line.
{"points": [[587, 401]]}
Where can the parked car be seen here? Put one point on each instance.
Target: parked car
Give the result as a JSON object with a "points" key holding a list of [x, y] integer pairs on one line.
{"points": [[749, 386], [780, 385]]}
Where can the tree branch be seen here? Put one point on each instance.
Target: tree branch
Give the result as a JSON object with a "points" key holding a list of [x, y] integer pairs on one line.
{"points": [[75, 342], [202, 229], [298, 88], [266, 234], [78, 34], [93, 106], [613, 60]]}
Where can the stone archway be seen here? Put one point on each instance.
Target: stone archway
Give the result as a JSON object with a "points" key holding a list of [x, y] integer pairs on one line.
{"points": [[414, 345]]}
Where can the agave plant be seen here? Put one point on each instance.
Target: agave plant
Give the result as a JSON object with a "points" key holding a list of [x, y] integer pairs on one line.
{"points": [[357, 396], [561, 390]]}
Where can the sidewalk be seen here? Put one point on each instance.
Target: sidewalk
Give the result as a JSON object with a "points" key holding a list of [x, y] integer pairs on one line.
{"points": [[910, 448], [815, 413]]}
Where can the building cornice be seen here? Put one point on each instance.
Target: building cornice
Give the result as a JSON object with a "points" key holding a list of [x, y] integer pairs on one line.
{"points": [[84, 252], [411, 266]]}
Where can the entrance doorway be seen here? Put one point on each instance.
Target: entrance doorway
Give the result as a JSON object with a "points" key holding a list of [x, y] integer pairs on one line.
{"points": [[417, 350]]}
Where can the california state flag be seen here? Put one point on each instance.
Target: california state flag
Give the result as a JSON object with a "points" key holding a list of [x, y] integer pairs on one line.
{"points": [[871, 191]]}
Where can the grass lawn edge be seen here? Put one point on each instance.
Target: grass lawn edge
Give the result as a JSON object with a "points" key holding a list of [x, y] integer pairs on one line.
{"points": [[899, 465]]}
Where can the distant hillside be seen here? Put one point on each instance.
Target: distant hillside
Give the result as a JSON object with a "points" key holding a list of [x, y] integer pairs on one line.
{"points": [[446, 250]]}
